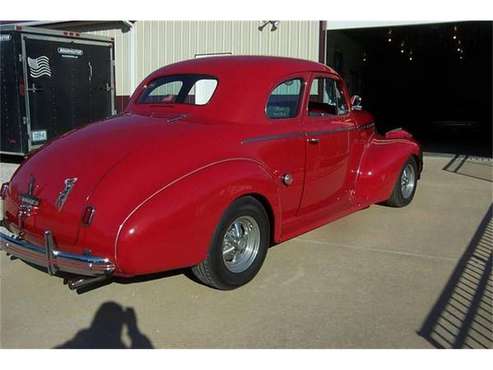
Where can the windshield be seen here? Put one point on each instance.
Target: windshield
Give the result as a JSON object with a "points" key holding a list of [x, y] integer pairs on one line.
{"points": [[179, 89]]}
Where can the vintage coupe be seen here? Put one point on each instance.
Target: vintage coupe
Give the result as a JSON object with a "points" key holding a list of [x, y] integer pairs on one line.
{"points": [[213, 161]]}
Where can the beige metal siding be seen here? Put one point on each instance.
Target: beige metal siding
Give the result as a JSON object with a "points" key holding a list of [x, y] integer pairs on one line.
{"points": [[159, 43]]}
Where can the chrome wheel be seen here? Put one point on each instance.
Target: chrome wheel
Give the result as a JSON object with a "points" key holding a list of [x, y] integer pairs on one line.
{"points": [[408, 181], [241, 244]]}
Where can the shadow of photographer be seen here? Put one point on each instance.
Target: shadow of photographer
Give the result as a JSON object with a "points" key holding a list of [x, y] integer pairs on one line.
{"points": [[107, 328]]}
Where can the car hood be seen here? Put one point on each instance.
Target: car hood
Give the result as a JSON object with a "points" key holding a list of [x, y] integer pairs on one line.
{"points": [[114, 166]]}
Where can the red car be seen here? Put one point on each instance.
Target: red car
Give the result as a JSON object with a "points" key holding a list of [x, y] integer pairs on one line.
{"points": [[213, 161]]}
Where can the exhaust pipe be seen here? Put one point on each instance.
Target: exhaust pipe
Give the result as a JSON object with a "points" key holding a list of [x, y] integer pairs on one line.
{"points": [[81, 283]]}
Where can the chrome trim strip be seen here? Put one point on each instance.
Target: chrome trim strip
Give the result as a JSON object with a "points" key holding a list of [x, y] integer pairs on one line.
{"points": [[291, 135], [341, 129], [329, 131], [176, 118], [394, 129], [55, 260], [11, 153], [368, 125]]}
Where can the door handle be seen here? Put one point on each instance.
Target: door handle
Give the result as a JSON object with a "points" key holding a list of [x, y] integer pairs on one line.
{"points": [[313, 140], [32, 89]]}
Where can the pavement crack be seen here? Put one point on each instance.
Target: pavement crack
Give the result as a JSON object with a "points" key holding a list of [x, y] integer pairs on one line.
{"points": [[379, 250]]}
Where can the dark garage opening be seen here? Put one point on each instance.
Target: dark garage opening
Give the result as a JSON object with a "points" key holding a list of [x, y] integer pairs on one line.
{"points": [[435, 80]]}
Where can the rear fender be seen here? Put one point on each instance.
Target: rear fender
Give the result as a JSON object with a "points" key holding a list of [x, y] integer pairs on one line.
{"points": [[381, 164], [173, 227]]}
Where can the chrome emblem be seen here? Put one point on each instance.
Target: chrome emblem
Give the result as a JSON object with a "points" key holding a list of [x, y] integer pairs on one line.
{"points": [[63, 195], [28, 203]]}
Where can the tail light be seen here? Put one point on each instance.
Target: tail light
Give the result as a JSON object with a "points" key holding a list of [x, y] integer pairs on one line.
{"points": [[5, 189], [88, 215]]}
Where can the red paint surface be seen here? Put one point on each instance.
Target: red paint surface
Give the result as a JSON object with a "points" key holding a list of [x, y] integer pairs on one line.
{"points": [[159, 188]]}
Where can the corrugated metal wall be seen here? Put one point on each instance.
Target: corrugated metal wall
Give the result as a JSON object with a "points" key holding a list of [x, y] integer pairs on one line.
{"points": [[158, 43]]}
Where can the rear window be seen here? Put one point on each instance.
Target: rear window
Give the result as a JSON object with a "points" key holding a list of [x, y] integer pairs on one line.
{"points": [[285, 99], [179, 89]]}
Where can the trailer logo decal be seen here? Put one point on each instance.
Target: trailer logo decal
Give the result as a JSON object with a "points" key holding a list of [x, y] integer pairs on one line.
{"points": [[70, 51], [39, 66], [5, 37]]}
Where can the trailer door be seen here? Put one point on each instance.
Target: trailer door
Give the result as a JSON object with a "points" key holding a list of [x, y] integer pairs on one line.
{"points": [[69, 83], [11, 87]]}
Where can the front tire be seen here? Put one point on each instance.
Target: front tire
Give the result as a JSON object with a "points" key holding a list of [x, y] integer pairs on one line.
{"points": [[239, 246], [405, 186]]}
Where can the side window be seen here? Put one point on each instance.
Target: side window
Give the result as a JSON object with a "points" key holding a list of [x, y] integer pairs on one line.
{"points": [[166, 92], [285, 99], [179, 89], [326, 98], [341, 102]]}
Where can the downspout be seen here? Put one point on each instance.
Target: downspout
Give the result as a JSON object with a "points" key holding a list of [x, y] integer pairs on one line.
{"points": [[322, 42], [131, 55]]}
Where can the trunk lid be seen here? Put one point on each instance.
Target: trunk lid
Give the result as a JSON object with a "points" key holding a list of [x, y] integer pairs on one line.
{"points": [[71, 167]]}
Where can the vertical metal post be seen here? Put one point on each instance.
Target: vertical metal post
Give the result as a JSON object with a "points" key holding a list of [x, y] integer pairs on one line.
{"points": [[26, 95], [49, 246], [322, 42], [131, 56]]}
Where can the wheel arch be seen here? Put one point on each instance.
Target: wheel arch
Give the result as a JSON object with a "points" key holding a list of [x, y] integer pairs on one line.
{"points": [[419, 161], [381, 164], [269, 210], [174, 226]]}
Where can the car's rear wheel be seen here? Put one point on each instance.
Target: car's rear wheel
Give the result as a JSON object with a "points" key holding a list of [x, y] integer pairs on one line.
{"points": [[239, 246], [405, 186]]}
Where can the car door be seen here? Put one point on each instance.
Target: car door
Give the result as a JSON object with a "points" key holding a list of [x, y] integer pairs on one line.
{"points": [[285, 143], [327, 126]]}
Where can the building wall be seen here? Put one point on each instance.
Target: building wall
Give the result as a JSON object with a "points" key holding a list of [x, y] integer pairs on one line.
{"points": [[158, 43]]}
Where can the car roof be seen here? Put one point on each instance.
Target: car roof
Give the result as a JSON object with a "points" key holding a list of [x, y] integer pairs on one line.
{"points": [[261, 66], [244, 84]]}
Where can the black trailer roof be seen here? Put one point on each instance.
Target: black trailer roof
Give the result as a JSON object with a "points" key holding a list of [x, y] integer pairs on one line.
{"points": [[50, 32]]}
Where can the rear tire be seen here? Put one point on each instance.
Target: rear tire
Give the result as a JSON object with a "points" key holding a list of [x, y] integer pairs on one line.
{"points": [[238, 248], [405, 186]]}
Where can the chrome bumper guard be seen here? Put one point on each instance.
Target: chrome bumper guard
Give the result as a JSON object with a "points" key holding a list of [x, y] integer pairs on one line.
{"points": [[53, 259]]}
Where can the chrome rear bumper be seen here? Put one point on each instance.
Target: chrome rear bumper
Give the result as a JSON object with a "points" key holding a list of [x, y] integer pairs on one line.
{"points": [[55, 260]]}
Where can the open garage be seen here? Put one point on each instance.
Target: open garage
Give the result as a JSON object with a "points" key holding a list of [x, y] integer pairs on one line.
{"points": [[433, 79]]}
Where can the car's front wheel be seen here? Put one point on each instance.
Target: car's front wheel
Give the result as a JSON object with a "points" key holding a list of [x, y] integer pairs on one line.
{"points": [[405, 186], [239, 246]]}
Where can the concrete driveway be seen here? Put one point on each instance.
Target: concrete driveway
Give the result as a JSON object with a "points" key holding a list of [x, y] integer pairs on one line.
{"points": [[417, 277]]}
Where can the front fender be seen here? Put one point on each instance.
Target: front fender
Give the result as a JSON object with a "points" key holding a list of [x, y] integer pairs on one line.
{"points": [[381, 164], [173, 227]]}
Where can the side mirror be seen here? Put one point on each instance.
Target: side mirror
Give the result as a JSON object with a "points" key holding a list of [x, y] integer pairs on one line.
{"points": [[356, 102]]}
